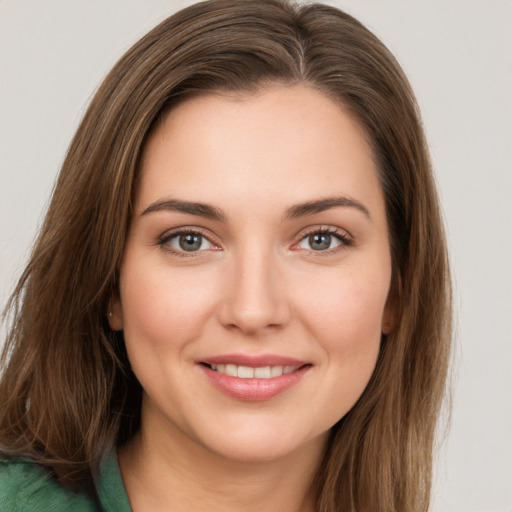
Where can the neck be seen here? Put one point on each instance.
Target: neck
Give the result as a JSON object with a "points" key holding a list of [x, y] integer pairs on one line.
{"points": [[181, 475]]}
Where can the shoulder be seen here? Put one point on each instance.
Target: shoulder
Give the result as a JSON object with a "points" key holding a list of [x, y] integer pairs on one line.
{"points": [[27, 487]]}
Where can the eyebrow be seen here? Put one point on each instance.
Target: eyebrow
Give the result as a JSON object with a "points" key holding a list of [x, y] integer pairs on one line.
{"points": [[321, 205], [294, 212], [177, 205]]}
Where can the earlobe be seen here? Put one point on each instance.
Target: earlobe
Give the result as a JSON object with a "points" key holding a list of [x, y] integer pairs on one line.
{"points": [[387, 324], [115, 314], [389, 317]]}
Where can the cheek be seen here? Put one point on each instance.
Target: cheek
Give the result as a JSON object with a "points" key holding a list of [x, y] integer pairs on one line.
{"points": [[354, 332], [349, 310], [346, 321], [163, 308]]}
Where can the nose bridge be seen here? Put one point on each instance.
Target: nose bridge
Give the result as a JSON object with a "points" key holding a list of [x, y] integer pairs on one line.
{"points": [[254, 297]]}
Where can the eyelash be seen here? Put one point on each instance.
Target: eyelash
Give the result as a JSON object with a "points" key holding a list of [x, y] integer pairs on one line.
{"points": [[342, 236], [167, 237]]}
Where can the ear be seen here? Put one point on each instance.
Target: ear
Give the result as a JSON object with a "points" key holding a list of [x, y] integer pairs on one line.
{"points": [[390, 314], [115, 313]]}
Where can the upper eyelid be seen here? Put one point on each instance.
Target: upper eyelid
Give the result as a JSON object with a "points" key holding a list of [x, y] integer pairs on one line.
{"points": [[345, 239], [171, 233], [332, 230], [163, 242]]}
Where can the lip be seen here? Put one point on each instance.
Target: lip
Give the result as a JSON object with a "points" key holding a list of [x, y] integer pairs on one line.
{"points": [[253, 389], [253, 361]]}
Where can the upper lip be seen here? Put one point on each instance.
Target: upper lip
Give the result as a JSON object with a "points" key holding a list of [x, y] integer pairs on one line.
{"points": [[253, 361]]}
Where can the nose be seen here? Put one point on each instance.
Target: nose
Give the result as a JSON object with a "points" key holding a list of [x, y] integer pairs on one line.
{"points": [[254, 299]]}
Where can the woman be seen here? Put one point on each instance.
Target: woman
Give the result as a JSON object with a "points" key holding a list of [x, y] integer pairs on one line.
{"points": [[240, 294]]}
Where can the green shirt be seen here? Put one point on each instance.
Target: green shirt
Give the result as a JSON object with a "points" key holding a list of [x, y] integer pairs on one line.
{"points": [[26, 487]]}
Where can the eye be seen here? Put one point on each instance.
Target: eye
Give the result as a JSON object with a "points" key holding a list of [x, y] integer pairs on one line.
{"points": [[187, 241], [322, 240]]}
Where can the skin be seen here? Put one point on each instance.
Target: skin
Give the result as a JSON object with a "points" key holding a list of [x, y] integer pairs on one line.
{"points": [[256, 286]]}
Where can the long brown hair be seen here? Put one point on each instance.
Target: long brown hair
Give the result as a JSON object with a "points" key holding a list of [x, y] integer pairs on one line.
{"points": [[67, 391]]}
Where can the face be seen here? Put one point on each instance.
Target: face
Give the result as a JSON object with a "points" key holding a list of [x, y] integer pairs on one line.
{"points": [[253, 290]]}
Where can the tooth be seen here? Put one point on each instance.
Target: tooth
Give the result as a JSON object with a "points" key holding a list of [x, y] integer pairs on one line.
{"points": [[263, 372], [276, 371], [245, 372], [231, 370]]}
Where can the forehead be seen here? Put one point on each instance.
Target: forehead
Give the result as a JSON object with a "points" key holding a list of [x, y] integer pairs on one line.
{"points": [[282, 142]]}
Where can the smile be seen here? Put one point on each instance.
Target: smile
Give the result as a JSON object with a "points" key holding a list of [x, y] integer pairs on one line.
{"points": [[248, 372], [253, 378]]}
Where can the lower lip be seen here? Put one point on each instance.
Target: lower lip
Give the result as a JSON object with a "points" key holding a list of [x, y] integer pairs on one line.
{"points": [[255, 390]]}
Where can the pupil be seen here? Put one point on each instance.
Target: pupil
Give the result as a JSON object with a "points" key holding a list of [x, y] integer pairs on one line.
{"points": [[190, 242], [320, 241]]}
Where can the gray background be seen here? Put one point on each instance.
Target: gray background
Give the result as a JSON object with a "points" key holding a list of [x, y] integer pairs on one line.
{"points": [[458, 55]]}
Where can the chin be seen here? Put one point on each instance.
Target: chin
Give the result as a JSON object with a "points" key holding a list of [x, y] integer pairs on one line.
{"points": [[263, 444]]}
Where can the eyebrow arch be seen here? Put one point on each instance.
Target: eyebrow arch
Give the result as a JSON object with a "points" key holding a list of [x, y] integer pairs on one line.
{"points": [[321, 205], [177, 205]]}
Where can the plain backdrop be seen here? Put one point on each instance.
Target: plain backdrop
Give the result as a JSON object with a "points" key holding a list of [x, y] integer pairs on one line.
{"points": [[458, 56]]}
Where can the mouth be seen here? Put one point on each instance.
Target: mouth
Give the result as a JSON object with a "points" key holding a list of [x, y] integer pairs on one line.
{"points": [[249, 372], [254, 378]]}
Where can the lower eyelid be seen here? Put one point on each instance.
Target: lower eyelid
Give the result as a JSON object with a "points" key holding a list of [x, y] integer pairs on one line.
{"points": [[165, 241], [179, 249], [341, 236], [343, 239], [337, 239]]}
